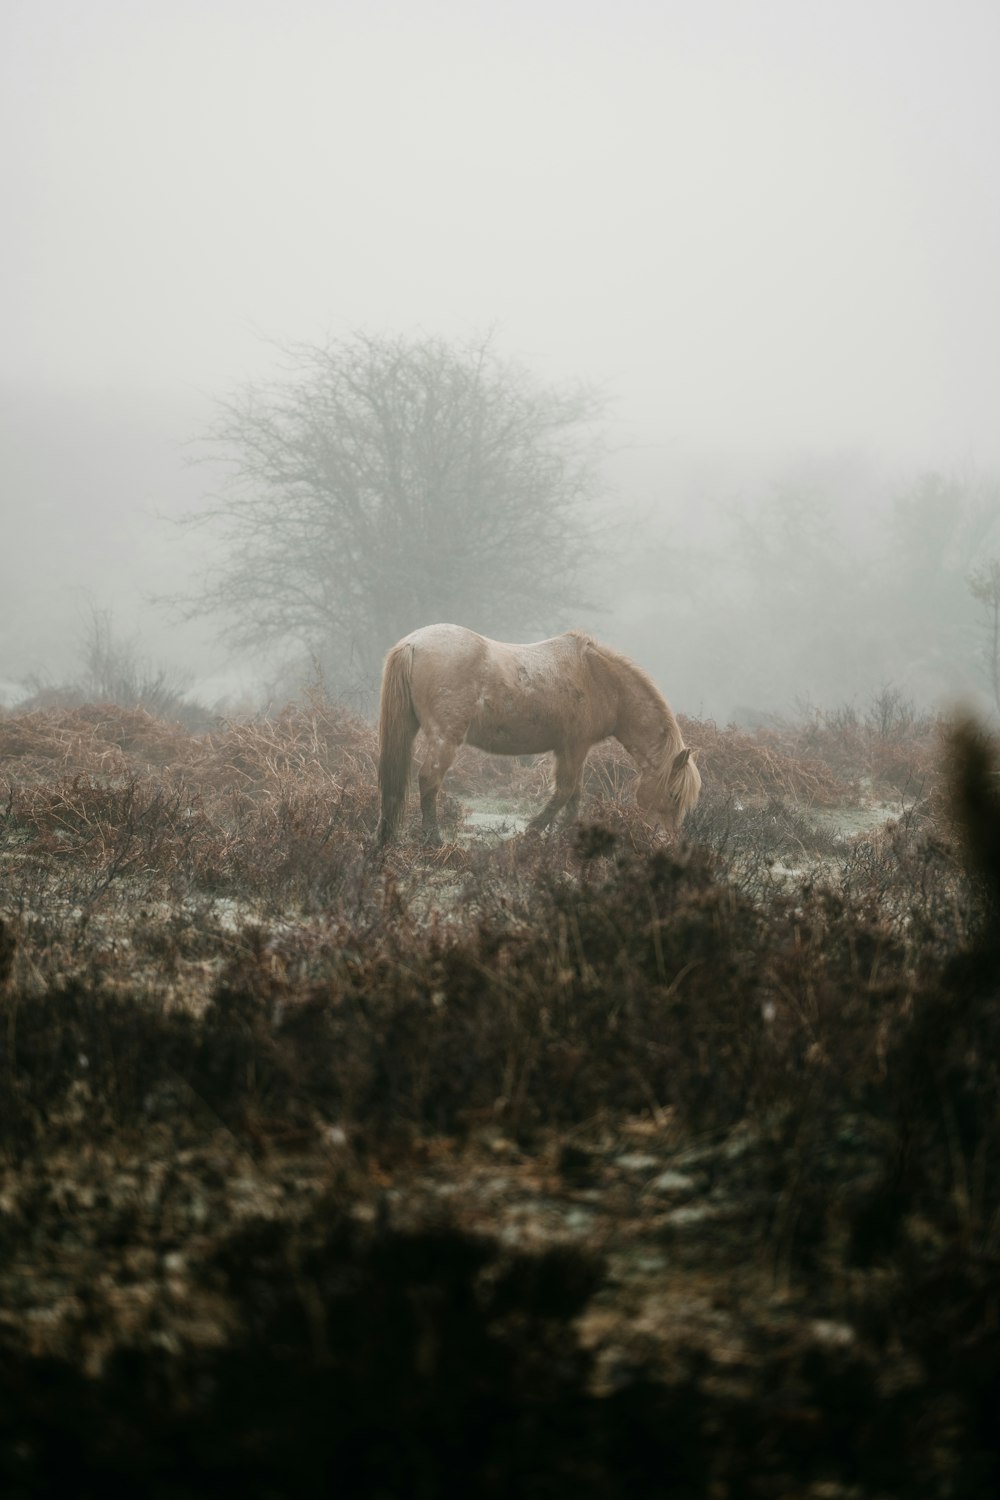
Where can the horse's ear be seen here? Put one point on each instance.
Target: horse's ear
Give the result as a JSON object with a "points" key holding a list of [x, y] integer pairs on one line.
{"points": [[681, 759]]}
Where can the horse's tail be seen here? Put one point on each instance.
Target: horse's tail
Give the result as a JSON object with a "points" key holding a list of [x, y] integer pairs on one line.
{"points": [[397, 728]]}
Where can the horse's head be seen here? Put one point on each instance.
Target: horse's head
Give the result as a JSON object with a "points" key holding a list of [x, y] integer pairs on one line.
{"points": [[666, 795]]}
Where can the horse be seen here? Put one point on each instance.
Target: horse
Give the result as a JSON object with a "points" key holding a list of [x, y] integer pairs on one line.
{"points": [[562, 695]]}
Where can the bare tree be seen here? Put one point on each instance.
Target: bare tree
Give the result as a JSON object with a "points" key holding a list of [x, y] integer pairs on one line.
{"points": [[385, 483]]}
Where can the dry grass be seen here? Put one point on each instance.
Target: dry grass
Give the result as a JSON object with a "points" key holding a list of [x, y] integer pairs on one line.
{"points": [[767, 765]]}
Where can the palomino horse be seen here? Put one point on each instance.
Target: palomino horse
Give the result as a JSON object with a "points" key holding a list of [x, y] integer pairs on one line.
{"points": [[563, 695]]}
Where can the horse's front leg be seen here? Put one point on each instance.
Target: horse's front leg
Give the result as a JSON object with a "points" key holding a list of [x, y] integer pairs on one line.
{"points": [[438, 757], [569, 773]]}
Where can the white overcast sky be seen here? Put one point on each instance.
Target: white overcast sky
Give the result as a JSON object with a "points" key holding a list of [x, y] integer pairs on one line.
{"points": [[759, 224], [763, 219]]}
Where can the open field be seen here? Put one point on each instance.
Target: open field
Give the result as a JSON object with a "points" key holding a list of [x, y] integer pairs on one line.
{"points": [[564, 1164]]}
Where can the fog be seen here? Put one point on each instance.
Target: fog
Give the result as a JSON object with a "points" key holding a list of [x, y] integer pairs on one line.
{"points": [[769, 233]]}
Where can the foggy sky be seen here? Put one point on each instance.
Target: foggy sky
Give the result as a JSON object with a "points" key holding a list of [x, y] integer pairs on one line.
{"points": [[761, 227]]}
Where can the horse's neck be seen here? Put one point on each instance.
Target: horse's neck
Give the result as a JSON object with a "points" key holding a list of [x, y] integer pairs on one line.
{"points": [[646, 725]]}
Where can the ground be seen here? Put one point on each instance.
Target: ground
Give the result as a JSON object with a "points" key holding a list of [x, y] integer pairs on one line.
{"points": [[562, 1161]]}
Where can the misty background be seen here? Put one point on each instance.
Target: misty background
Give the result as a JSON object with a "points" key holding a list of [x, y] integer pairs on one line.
{"points": [[768, 235]]}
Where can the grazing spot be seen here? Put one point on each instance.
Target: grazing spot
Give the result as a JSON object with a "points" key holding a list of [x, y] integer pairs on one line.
{"points": [[565, 695]]}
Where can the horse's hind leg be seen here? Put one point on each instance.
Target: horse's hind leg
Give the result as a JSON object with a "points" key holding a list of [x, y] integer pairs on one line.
{"points": [[569, 771], [438, 757]]}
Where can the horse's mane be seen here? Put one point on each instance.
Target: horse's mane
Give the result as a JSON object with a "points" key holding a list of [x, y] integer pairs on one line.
{"points": [[628, 668], [679, 783]]}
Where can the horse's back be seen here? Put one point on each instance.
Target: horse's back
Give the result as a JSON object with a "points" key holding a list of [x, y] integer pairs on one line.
{"points": [[445, 642], [452, 654], [504, 697]]}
